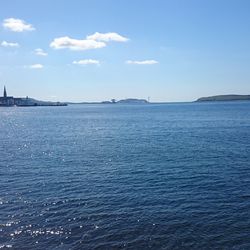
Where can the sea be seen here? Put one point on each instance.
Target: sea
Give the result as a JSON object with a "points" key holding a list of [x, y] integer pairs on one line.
{"points": [[119, 176]]}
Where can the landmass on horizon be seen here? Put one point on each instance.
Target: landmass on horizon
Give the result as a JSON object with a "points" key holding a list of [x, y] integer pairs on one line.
{"points": [[113, 101], [224, 98], [9, 101]]}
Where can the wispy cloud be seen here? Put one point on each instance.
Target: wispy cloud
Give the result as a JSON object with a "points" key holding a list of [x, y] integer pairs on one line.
{"points": [[36, 66], [87, 61], [75, 44], [9, 44], [17, 25], [145, 62], [40, 52], [106, 37], [95, 41]]}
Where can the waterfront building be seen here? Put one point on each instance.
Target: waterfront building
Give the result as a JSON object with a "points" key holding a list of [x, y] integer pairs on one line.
{"points": [[6, 100]]}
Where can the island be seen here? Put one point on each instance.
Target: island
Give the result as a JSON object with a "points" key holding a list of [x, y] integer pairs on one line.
{"points": [[113, 101], [133, 101], [127, 101], [224, 98]]}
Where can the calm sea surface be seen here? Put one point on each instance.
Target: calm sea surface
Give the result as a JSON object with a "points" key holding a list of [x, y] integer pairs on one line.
{"points": [[172, 176]]}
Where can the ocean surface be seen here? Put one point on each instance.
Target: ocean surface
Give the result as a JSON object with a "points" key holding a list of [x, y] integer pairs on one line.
{"points": [[168, 176]]}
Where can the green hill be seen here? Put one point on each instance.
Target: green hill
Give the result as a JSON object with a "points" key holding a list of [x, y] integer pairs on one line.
{"points": [[224, 98]]}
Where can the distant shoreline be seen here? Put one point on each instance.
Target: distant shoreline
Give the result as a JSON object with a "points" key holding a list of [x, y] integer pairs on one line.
{"points": [[113, 101], [30, 102], [219, 98]]}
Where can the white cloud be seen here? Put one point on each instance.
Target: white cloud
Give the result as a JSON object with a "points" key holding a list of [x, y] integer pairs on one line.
{"points": [[95, 41], [36, 66], [75, 44], [106, 37], [87, 61], [40, 52], [145, 62], [17, 25], [8, 44]]}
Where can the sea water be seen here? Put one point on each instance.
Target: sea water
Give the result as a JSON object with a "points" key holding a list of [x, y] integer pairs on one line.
{"points": [[156, 176]]}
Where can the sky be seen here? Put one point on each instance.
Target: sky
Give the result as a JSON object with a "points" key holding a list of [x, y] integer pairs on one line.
{"points": [[95, 50]]}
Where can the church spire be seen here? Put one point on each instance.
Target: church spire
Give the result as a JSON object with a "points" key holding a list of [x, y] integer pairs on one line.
{"points": [[4, 92]]}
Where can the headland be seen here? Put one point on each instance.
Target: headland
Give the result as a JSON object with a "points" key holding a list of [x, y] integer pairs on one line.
{"points": [[224, 98]]}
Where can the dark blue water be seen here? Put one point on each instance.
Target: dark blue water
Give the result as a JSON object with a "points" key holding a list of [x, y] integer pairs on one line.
{"points": [[173, 176]]}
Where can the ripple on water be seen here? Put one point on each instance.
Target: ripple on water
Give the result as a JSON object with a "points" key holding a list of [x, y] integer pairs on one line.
{"points": [[171, 176]]}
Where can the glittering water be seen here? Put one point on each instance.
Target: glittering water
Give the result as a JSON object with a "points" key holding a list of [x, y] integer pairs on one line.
{"points": [[173, 176]]}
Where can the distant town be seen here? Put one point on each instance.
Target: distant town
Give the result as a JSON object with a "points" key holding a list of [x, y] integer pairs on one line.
{"points": [[9, 101]]}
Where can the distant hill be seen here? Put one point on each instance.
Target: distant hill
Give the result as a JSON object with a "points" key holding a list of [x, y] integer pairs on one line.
{"points": [[133, 100], [123, 101], [224, 98]]}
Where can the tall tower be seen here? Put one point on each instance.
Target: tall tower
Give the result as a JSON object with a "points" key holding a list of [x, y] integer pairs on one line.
{"points": [[4, 92]]}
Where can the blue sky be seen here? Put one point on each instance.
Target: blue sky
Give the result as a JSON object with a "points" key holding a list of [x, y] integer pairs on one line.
{"points": [[94, 50]]}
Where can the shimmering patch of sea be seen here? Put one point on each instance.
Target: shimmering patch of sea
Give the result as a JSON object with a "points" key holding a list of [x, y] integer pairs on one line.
{"points": [[169, 176]]}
